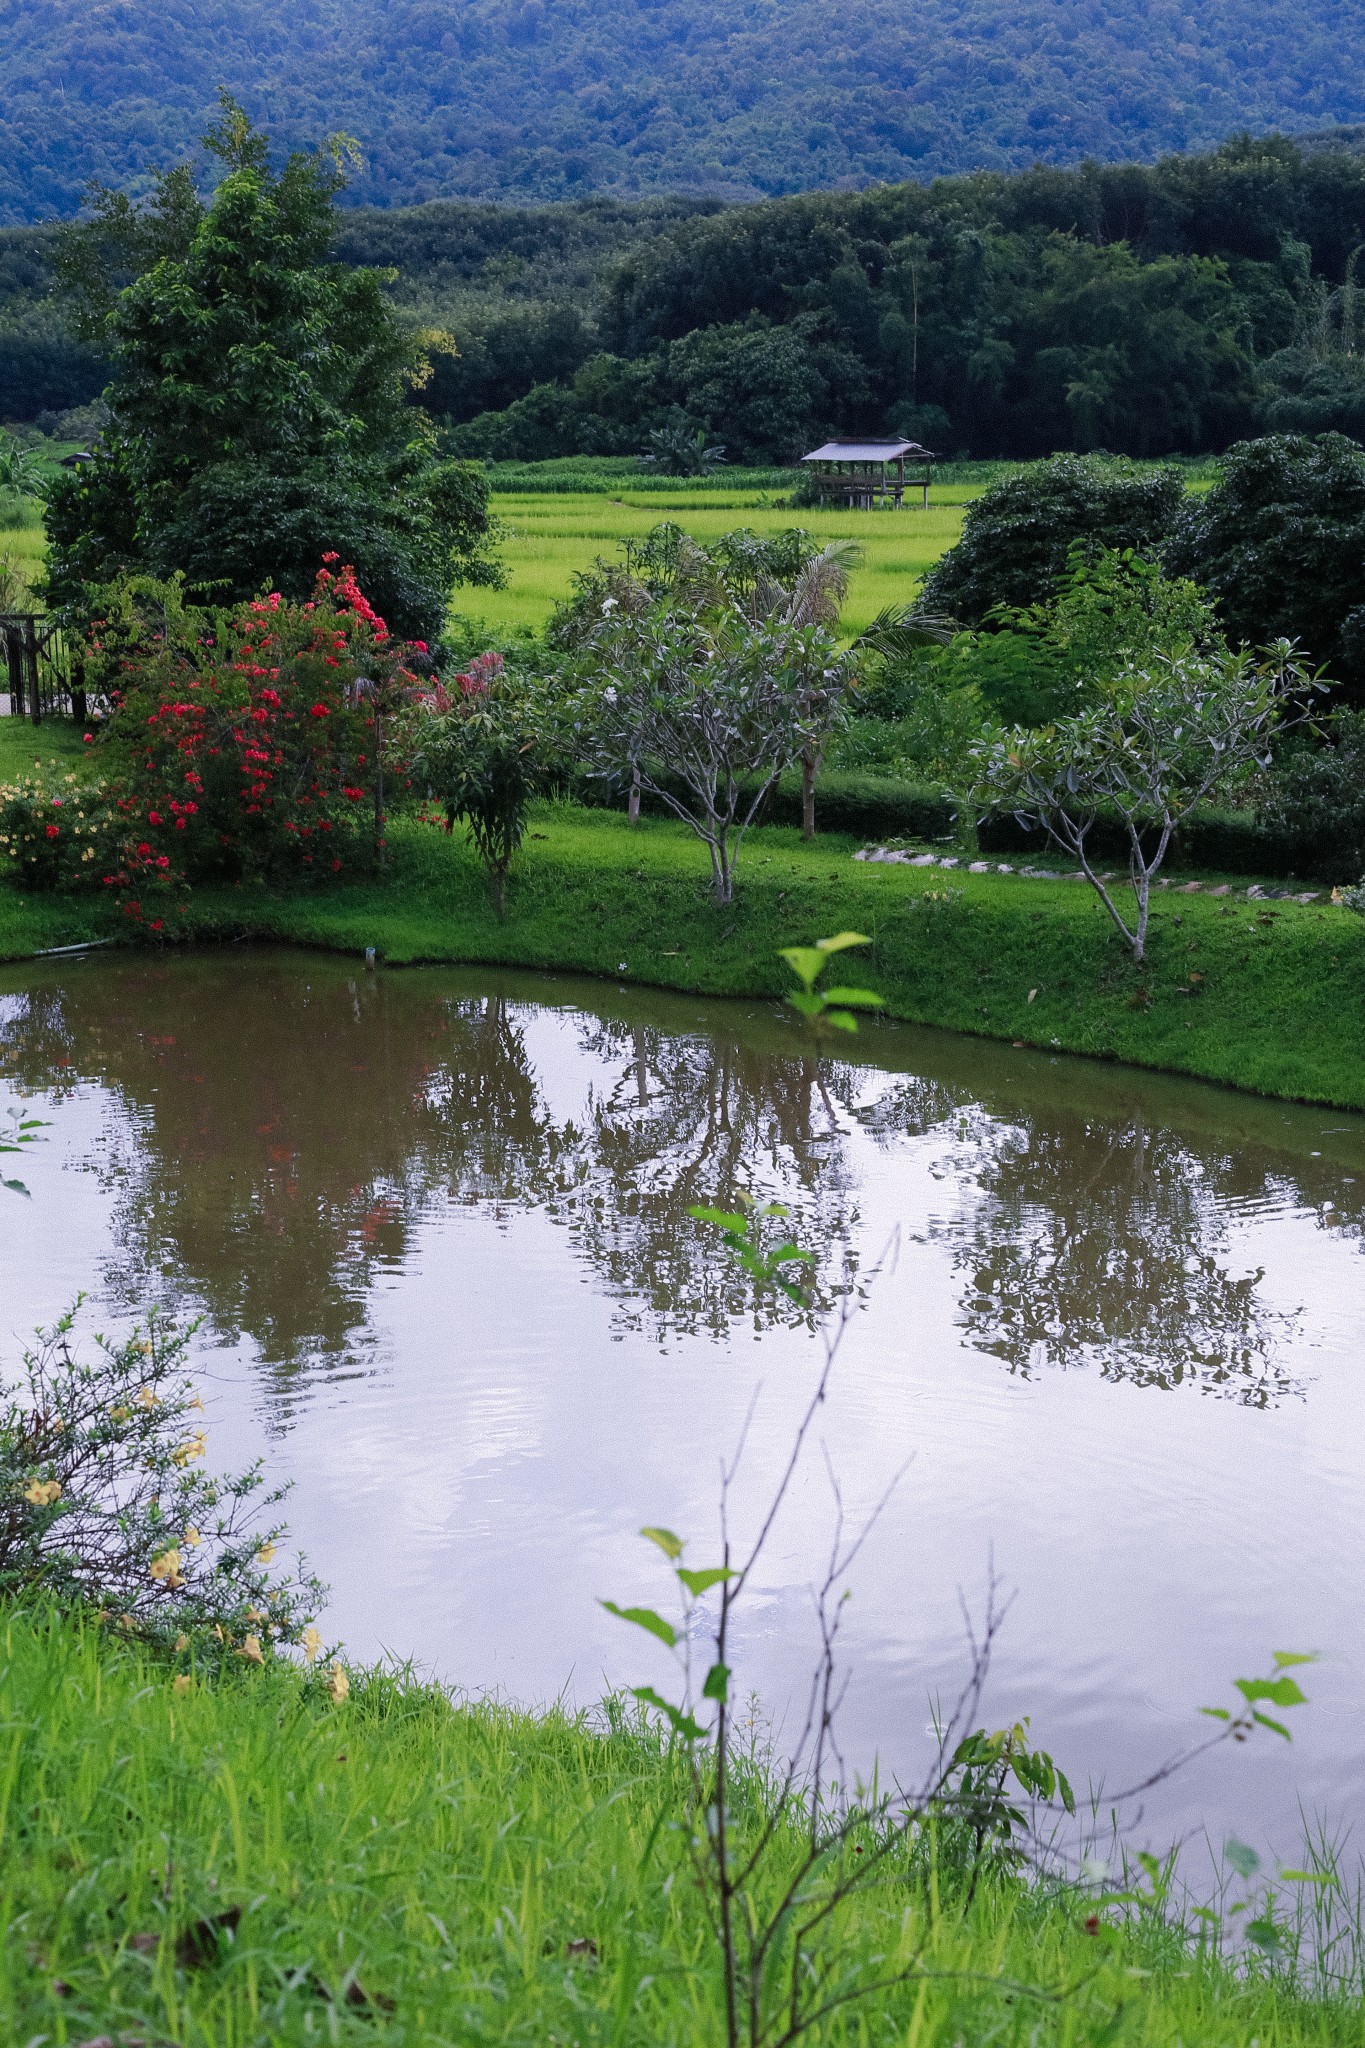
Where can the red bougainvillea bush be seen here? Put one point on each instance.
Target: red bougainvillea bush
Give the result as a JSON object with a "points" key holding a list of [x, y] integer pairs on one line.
{"points": [[247, 743]]}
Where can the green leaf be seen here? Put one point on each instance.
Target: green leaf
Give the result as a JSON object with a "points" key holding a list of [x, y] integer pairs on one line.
{"points": [[16, 1187], [842, 942], [1287, 1657], [1243, 1859], [702, 1581], [785, 1253], [841, 1020], [646, 1618], [809, 1005], [1308, 1877], [722, 1218], [672, 1546], [682, 1724], [1216, 1713], [1265, 1934], [1068, 1796], [717, 1683], [807, 963], [856, 998], [1266, 1722], [1281, 1692]]}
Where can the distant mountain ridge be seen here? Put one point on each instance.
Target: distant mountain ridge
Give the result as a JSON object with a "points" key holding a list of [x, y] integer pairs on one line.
{"points": [[546, 99]]}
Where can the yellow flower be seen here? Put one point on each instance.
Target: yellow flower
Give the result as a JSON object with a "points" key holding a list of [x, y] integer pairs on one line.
{"points": [[167, 1568], [338, 1684], [145, 1396], [181, 1682], [312, 1642], [193, 1447], [42, 1492], [182, 1642], [265, 1553], [251, 1650], [192, 1538], [120, 1412]]}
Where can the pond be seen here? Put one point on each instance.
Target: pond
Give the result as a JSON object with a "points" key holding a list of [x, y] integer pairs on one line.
{"points": [[434, 1222]]}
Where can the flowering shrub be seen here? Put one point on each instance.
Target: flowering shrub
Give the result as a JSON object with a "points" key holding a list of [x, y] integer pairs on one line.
{"points": [[104, 1499], [245, 743], [56, 833]]}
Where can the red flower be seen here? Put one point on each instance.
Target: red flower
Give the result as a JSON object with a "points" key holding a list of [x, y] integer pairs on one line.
{"points": [[153, 817], [52, 831], [320, 711], [143, 851]]}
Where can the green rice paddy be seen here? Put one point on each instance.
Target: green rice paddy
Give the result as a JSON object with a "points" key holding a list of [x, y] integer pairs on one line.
{"points": [[548, 536]]}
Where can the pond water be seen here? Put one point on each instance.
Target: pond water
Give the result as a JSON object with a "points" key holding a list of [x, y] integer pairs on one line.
{"points": [[434, 1223]]}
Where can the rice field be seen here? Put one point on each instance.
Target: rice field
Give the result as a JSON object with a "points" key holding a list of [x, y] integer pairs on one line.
{"points": [[547, 536]]}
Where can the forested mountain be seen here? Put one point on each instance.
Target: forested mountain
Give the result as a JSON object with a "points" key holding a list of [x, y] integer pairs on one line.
{"points": [[1147, 310], [541, 99]]}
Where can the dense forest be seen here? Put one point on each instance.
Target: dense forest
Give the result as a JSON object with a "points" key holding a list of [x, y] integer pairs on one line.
{"points": [[520, 99], [1146, 310]]}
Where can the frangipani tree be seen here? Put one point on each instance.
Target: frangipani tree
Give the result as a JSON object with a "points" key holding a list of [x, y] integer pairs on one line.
{"points": [[705, 710], [1165, 737]]}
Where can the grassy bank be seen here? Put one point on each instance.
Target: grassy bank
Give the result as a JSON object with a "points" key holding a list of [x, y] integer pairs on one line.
{"points": [[402, 1869], [1265, 996]]}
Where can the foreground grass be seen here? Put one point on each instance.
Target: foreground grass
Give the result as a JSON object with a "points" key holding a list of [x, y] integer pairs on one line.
{"points": [[1269, 997], [410, 1870], [548, 536]]}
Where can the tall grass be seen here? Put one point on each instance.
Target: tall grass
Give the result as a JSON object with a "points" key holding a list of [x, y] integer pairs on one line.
{"points": [[403, 1868]]}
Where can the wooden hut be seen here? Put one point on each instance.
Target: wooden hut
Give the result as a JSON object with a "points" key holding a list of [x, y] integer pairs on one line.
{"points": [[861, 474]]}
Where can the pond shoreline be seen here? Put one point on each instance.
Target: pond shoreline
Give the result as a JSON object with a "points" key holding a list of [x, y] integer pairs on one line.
{"points": [[1265, 997]]}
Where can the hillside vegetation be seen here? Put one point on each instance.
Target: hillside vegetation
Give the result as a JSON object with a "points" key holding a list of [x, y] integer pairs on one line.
{"points": [[519, 99], [1148, 311]]}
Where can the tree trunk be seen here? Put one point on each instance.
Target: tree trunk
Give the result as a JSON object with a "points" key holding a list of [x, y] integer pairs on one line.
{"points": [[810, 762], [633, 806]]}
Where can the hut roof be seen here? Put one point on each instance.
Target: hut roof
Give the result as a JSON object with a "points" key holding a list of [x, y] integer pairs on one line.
{"points": [[868, 451]]}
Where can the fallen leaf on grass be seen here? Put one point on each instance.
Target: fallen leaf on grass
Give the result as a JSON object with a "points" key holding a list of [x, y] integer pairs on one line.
{"points": [[200, 1943], [144, 1944]]}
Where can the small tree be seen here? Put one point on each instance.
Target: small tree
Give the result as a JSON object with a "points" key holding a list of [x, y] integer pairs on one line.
{"points": [[709, 701], [480, 750], [1163, 739]]}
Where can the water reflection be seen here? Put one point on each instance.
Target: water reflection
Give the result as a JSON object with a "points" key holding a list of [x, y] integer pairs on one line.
{"points": [[287, 1124]]}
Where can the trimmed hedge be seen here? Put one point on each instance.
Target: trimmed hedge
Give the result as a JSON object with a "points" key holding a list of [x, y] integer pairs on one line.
{"points": [[875, 807]]}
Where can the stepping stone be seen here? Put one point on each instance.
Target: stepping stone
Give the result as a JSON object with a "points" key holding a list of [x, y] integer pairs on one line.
{"points": [[1003, 868], [1308, 896], [1223, 889], [924, 860], [979, 867], [954, 862], [1255, 893], [1190, 888]]}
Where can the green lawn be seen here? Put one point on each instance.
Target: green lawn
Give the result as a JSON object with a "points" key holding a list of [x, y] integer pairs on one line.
{"points": [[248, 1863], [547, 536], [1265, 996]]}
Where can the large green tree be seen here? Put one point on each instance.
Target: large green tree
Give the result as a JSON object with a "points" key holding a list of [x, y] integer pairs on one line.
{"points": [[260, 414]]}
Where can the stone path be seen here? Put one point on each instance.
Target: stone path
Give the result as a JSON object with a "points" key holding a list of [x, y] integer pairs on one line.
{"points": [[1254, 894]]}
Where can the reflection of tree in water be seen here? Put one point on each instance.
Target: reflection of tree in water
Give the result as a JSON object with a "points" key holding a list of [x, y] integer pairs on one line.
{"points": [[287, 1125], [685, 1120], [1103, 1243]]}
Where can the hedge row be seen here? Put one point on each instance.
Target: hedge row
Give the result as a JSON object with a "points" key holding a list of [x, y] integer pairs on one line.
{"points": [[874, 807]]}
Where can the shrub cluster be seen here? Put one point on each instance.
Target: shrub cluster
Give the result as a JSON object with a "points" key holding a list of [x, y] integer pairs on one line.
{"points": [[105, 1501], [55, 835], [243, 744]]}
